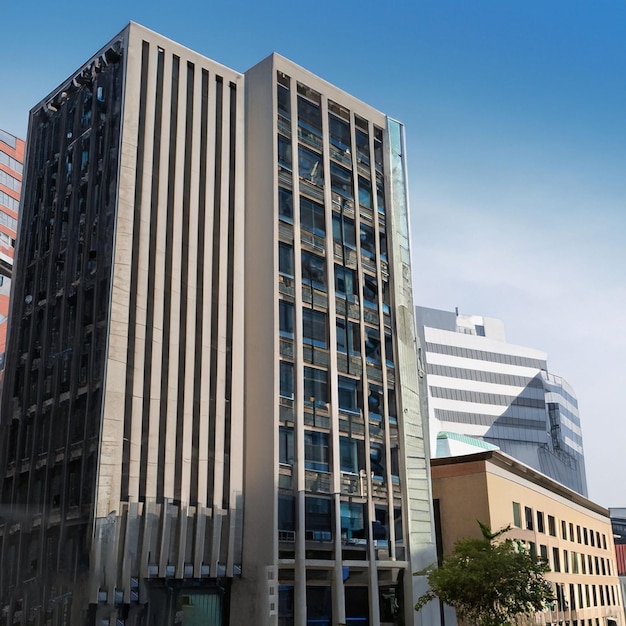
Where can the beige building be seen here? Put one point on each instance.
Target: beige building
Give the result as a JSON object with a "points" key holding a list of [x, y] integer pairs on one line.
{"points": [[570, 531]]}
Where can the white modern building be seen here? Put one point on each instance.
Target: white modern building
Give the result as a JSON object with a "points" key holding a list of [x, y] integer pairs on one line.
{"points": [[211, 411], [484, 392]]}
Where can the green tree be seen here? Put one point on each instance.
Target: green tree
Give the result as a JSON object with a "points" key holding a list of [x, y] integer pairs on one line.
{"points": [[493, 581]]}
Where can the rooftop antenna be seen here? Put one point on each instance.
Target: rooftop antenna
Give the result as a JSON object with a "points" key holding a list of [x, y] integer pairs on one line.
{"points": [[456, 310]]}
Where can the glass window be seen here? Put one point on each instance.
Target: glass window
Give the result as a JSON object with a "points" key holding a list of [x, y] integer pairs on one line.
{"points": [[285, 259], [312, 217], [348, 394], [380, 196], [339, 133], [341, 180], [309, 116], [285, 204], [284, 152], [318, 606], [316, 453], [348, 337], [285, 446], [375, 402], [353, 521], [349, 458], [343, 231], [370, 291], [368, 240], [286, 318], [310, 166], [362, 146], [317, 515], [540, 526], [528, 514], [378, 148], [284, 104], [517, 519], [382, 238], [556, 561], [313, 270], [365, 192], [389, 350], [372, 345], [551, 525], [314, 328], [286, 379], [377, 460], [315, 386], [345, 284]]}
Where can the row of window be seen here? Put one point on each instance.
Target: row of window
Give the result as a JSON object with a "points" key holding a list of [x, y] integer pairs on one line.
{"points": [[569, 532], [12, 204], [482, 355], [584, 596], [10, 162], [9, 181], [463, 395], [315, 333], [485, 377]]}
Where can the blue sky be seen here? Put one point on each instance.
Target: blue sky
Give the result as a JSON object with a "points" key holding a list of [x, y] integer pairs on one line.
{"points": [[516, 142]]}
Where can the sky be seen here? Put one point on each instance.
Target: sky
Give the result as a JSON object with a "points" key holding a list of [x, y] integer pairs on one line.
{"points": [[515, 117]]}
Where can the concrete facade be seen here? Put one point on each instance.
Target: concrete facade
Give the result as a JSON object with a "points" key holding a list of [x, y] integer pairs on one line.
{"points": [[211, 412], [571, 532]]}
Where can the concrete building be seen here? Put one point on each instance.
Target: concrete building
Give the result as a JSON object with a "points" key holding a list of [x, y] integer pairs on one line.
{"points": [[618, 524], [483, 392], [211, 409], [571, 532], [11, 165]]}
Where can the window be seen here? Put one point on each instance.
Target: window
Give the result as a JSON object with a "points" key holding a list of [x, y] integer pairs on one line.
{"points": [[556, 561], [341, 181], [372, 345], [370, 291], [565, 562], [309, 116], [286, 379], [315, 386], [592, 539], [310, 166], [348, 337], [284, 104], [312, 217], [362, 146], [284, 153], [551, 525], [343, 231], [314, 328], [368, 240], [528, 514], [563, 529], [375, 403], [313, 270], [349, 455], [517, 519], [377, 460], [586, 539], [574, 557], [285, 205], [365, 192], [348, 395], [285, 259], [543, 551], [285, 446], [317, 518], [380, 195], [345, 284], [540, 526], [316, 454], [339, 132], [353, 521], [286, 317], [389, 350]]}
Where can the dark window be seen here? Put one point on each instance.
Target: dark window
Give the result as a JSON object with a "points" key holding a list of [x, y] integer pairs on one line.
{"points": [[343, 231], [317, 516], [341, 180], [389, 350], [315, 386], [370, 291], [563, 529], [365, 192], [286, 512], [316, 454], [350, 454], [540, 525], [315, 328], [318, 606], [377, 460], [348, 394], [284, 104], [362, 146], [565, 562], [285, 259], [312, 217], [556, 561], [339, 131], [543, 551], [368, 240], [348, 337], [309, 116], [284, 152], [528, 514], [372, 345], [286, 379], [551, 525], [285, 445], [310, 166], [285, 204], [313, 270], [286, 317], [345, 284], [375, 402], [353, 521]]}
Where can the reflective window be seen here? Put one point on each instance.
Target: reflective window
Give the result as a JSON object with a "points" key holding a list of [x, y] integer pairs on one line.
{"points": [[339, 131], [343, 231], [362, 147], [368, 240], [372, 345], [365, 192], [377, 460], [285, 259], [316, 453], [286, 379], [312, 217], [375, 402], [315, 387], [345, 283], [353, 521], [313, 270], [348, 394], [348, 337], [309, 116], [284, 152], [310, 166], [285, 204], [370, 291], [315, 328], [286, 318], [286, 512], [284, 104], [285, 445], [350, 454], [341, 180]]}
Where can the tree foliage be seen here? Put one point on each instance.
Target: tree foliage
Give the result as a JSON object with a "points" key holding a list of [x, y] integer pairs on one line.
{"points": [[493, 581]]}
